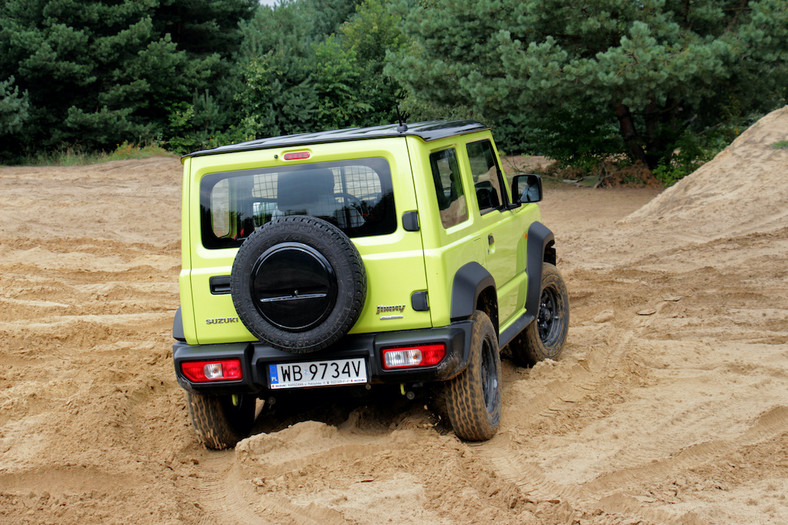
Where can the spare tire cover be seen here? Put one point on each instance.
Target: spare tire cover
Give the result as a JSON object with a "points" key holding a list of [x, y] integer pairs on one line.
{"points": [[298, 284]]}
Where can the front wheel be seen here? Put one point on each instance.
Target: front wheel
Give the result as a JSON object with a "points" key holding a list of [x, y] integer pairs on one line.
{"points": [[473, 398], [544, 338], [221, 421]]}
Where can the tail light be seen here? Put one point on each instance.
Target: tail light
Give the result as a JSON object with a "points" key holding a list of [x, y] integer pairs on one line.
{"points": [[413, 356], [221, 370], [297, 155]]}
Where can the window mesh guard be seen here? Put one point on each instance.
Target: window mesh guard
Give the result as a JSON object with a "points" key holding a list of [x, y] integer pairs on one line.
{"points": [[356, 191]]}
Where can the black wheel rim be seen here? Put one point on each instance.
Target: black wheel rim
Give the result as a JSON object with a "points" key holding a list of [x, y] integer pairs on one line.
{"points": [[550, 320], [489, 373]]}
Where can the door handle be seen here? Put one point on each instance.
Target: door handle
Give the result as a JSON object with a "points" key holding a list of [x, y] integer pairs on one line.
{"points": [[490, 240]]}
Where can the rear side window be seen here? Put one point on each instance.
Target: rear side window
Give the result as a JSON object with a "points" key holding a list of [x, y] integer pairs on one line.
{"points": [[448, 187], [487, 179], [355, 195]]}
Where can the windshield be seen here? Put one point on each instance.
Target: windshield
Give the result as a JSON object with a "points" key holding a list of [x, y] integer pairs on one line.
{"points": [[355, 195]]}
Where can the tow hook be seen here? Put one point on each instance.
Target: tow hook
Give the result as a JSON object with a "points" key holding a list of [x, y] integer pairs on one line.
{"points": [[409, 394]]}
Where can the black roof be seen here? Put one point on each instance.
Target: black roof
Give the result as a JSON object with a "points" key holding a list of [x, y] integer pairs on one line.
{"points": [[427, 131]]}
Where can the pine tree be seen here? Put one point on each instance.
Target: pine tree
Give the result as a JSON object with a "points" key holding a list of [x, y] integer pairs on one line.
{"points": [[545, 69], [13, 108], [318, 64], [97, 73]]}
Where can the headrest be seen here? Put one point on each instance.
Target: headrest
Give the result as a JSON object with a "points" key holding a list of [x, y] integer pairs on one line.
{"points": [[303, 187]]}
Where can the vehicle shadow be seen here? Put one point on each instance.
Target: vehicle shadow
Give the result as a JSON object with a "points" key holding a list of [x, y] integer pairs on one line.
{"points": [[382, 409]]}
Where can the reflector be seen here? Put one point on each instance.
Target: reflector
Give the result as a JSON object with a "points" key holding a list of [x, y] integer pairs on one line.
{"points": [[213, 371]]}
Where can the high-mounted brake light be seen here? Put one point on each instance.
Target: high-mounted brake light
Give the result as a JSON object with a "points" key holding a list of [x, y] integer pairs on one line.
{"points": [[222, 370], [297, 155], [422, 355]]}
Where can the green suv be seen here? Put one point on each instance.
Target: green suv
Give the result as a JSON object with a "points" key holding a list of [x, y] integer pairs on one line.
{"points": [[386, 255]]}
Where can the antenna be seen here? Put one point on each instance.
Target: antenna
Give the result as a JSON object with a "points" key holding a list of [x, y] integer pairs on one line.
{"points": [[401, 117]]}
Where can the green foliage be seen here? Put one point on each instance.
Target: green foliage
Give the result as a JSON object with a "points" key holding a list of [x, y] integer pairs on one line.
{"points": [[13, 108], [96, 73], [127, 151], [665, 82], [692, 150], [369, 36], [77, 156], [587, 79], [335, 80], [783, 144], [200, 124], [306, 70], [204, 27], [671, 173], [291, 27]]}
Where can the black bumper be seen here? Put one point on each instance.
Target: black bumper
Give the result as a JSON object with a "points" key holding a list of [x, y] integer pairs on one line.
{"points": [[255, 358]]}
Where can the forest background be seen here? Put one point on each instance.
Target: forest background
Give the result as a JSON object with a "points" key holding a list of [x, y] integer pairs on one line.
{"points": [[658, 84]]}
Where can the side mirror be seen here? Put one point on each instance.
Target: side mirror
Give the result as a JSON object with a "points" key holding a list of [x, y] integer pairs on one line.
{"points": [[527, 187]]}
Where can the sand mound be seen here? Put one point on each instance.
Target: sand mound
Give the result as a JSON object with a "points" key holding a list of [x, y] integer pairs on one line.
{"points": [[743, 189], [736, 204]]}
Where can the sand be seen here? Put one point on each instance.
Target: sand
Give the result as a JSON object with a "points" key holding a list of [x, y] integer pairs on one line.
{"points": [[669, 405]]}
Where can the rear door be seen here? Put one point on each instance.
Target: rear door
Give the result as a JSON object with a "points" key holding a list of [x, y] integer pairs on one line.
{"points": [[368, 185]]}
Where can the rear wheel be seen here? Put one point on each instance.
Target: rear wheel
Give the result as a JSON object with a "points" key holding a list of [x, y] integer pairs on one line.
{"points": [[473, 398], [221, 421], [544, 338]]}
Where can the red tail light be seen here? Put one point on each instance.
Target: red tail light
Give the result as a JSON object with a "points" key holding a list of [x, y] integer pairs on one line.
{"points": [[221, 370], [413, 356]]}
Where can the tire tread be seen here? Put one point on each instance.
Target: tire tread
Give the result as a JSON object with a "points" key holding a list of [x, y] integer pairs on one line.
{"points": [[216, 429], [464, 401]]}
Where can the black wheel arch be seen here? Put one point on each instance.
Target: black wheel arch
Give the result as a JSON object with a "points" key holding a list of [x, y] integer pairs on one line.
{"points": [[541, 248], [177, 326], [473, 289]]}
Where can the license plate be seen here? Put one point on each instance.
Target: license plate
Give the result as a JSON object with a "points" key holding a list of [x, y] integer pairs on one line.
{"points": [[318, 373]]}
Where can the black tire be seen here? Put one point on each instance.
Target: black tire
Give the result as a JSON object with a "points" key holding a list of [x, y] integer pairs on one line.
{"points": [[220, 423], [473, 398], [298, 284], [544, 338]]}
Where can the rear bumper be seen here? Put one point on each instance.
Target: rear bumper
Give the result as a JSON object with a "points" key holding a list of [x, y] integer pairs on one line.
{"points": [[255, 358]]}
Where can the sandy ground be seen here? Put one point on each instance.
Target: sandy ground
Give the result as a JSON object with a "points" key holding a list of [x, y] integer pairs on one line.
{"points": [[669, 405]]}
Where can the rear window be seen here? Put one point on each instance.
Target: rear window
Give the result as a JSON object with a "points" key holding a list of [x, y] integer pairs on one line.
{"points": [[355, 195]]}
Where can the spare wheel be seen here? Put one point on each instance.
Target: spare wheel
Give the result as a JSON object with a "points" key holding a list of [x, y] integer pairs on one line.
{"points": [[298, 284]]}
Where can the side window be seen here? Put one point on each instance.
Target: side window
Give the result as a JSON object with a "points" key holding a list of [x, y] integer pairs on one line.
{"points": [[448, 187], [487, 178]]}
